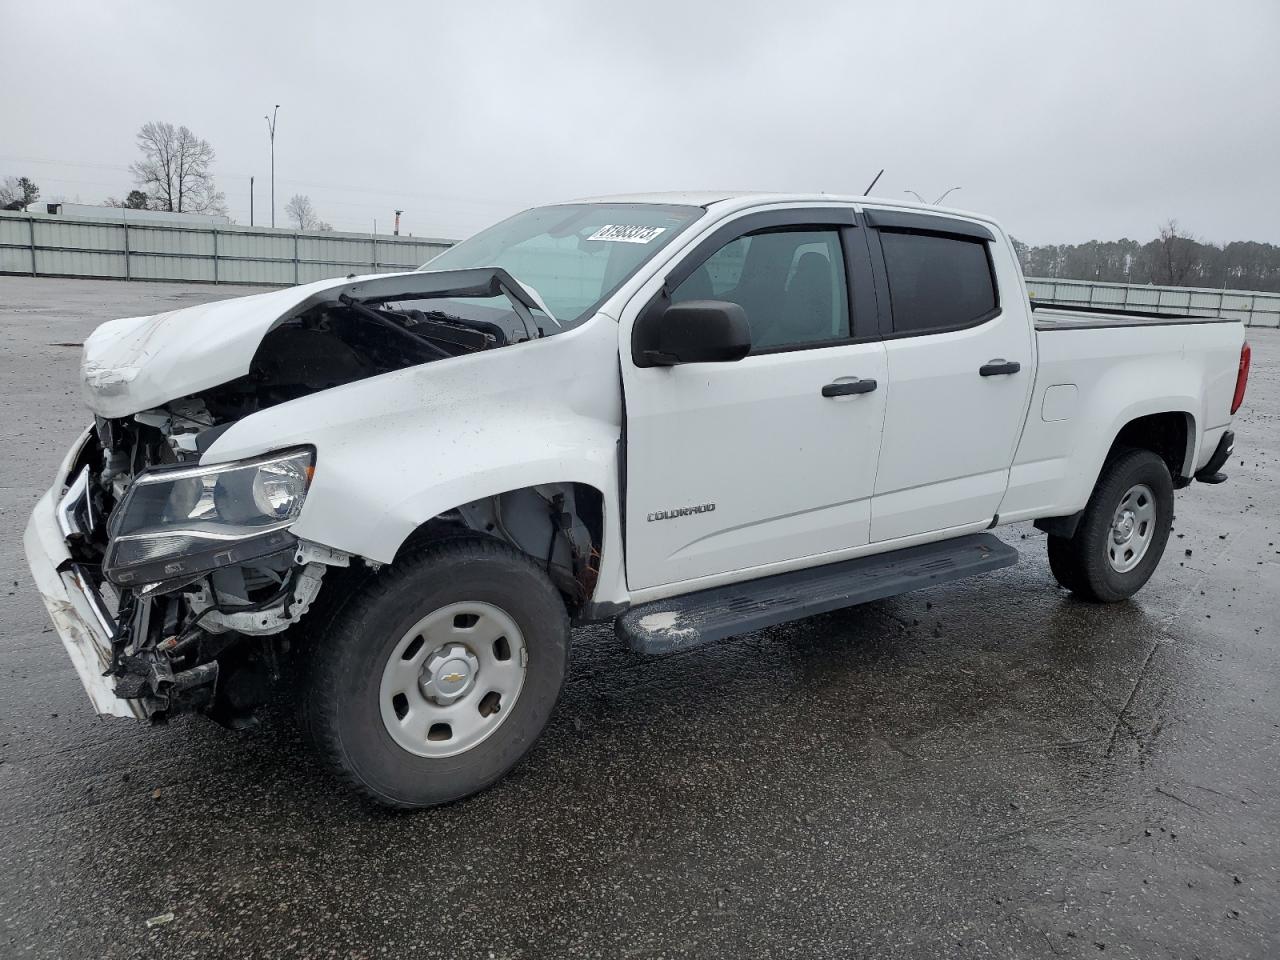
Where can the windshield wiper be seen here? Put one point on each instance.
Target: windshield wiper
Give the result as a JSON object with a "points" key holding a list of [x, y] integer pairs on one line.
{"points": [[358, 307], [479, 282], [473, 334]]}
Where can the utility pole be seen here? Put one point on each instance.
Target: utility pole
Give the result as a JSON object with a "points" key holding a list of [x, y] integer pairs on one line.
{"points": [[396, 232], [251, 201], [271, 130]]}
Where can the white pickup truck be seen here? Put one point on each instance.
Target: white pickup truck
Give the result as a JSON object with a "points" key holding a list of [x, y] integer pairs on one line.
{"points": [[693, 415]]}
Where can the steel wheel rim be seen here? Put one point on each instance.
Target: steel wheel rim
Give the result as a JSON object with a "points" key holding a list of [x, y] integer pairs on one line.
{"points": [[453, 679], [1133, 525]]}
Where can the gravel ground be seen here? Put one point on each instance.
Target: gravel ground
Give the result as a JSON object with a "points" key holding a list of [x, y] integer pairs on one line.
{"points": [[987, 769]]}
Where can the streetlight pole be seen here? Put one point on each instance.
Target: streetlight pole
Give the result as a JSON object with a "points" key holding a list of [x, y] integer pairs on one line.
{"points": [[271, 130], [945, 195]]}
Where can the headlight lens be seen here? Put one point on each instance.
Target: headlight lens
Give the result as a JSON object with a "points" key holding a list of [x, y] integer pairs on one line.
{"points": [[174, 521], [278, 488]]}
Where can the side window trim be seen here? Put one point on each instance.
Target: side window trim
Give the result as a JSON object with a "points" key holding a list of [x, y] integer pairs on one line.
{"points": [[925, 223], [861, 298], [821, 217], [883, 316], [888, 326]]}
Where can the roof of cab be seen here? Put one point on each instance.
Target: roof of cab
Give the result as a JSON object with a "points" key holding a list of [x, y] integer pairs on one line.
{"points": [[690, 198], [703, 198], [734, 200]]}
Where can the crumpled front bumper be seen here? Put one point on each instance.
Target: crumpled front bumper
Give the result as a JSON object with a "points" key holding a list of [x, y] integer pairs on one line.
{"points": [[80, 615]]}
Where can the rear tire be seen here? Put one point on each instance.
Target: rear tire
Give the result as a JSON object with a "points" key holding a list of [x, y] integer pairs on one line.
{"points": [[1122, 533], [438, 677]]}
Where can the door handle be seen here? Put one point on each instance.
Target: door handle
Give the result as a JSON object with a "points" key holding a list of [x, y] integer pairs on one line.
{"points": [[848, 387], [999, 368]]}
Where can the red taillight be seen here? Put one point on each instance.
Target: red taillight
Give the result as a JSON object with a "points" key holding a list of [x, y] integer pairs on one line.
{"points": [[1242, 377]]}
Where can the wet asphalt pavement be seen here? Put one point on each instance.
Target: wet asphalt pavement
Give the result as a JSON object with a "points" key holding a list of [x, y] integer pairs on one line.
{"points": [[987, 769]]}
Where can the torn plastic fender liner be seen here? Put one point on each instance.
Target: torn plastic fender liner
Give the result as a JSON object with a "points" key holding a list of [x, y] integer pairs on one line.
{"points": [[138, 363]]}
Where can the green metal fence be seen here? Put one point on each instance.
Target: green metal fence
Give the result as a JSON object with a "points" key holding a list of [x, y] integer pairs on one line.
{"points": [[41, 245], [1256, 309]]}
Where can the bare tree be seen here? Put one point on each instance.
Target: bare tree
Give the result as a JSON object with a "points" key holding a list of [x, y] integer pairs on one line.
{"points": [[1174, 255], [301, 212], [17, 193], [175, 170]]}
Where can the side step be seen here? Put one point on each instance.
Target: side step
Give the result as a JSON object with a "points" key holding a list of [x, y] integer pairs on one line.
{"points": [[679, 623]]}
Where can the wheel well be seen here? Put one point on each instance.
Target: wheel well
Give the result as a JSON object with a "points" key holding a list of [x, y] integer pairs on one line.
{"points": [[560, 525], [1167, 435]]}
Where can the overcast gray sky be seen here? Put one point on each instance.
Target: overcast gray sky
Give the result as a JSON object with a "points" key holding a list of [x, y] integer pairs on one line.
{"points": [[1069, 121]]}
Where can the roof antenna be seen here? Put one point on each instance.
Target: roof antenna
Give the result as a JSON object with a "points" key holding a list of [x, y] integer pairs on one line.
{"points": [[873, 182]]}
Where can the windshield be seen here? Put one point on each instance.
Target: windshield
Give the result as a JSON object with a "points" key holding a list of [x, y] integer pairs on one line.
{"points": [[574, 255]]}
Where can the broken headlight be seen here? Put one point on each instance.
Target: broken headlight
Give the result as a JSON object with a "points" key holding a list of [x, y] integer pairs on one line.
{"points": [[178, 521]]}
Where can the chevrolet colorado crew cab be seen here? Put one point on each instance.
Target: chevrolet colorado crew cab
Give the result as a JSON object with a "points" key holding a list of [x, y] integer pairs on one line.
{"points": [[693, 415]]}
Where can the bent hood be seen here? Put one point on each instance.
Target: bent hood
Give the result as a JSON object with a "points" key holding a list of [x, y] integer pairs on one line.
{"points": [[138, 363]]}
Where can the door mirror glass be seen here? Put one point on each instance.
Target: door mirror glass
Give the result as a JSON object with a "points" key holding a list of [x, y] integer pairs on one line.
{"points": [[695, 331]]}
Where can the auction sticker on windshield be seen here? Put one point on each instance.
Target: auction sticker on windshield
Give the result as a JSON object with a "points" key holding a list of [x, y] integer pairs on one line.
{"points": [[622, 233]]}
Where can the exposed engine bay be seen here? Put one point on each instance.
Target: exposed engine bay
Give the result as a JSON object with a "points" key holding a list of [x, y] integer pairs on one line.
{"points": [[349, 340], [203, 579]]}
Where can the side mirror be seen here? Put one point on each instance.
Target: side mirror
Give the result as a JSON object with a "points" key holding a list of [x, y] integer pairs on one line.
{"points": [[695, 331]]}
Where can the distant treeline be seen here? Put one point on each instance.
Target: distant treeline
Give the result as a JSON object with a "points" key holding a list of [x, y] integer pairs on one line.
{"points": [[1172, 259]]}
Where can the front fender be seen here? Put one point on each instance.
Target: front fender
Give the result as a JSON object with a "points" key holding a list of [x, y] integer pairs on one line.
{"points": [[395, 450]]}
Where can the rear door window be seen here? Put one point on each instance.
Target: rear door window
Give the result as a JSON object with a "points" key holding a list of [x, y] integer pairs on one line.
{"points": [[937, 282]]}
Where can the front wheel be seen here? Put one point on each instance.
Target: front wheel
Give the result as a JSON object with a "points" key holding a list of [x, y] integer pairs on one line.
{"points": [[1122, 533], [435, 680]]}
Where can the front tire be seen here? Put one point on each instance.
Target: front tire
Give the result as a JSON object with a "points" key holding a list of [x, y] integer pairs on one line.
{"points": [[1122, 533], [433, 682]]}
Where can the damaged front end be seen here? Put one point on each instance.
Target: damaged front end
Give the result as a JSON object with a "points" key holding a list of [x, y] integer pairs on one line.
{"points": [[190, 571], [173, 583]]}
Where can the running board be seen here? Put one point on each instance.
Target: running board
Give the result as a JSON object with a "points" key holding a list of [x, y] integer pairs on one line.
{"points": [[679, 623]]}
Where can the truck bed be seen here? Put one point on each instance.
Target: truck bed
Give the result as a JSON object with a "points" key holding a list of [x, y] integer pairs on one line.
{"points": [[1112, 368], [1056, 316]]}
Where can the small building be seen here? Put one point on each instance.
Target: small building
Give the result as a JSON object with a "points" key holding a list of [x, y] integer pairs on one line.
{"points": [[87, 211]]}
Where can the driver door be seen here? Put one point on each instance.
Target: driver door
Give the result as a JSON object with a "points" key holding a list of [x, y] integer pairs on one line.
{"points": [[736, 468]]}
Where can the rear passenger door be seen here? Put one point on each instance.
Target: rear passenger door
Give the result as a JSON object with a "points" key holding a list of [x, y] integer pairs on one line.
{"points": [[960, 369]]}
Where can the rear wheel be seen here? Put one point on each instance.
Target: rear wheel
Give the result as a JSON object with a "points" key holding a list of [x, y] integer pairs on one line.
{"points": [[437, 679], [1122, 533]]}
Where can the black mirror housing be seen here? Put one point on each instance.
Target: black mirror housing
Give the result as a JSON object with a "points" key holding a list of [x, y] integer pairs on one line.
{"points": [[695, 331]]}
